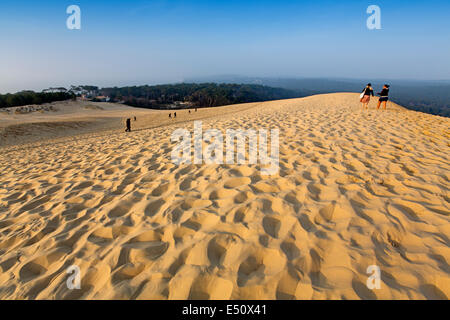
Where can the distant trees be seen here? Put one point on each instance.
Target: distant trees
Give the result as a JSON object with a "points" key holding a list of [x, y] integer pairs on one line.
{"points": [[440, 108], [30, 97], [87, 88], [200, 95]]}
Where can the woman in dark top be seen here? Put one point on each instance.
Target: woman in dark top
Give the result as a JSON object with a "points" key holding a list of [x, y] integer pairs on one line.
{"points": [[384, 97], [368, 91]]}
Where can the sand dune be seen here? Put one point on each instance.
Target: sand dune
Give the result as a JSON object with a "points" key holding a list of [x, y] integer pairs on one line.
{"points": [[355, 189], [65, 119]]}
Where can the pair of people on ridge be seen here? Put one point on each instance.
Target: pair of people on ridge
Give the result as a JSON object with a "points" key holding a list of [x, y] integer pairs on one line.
{"points": [[368, 91]]}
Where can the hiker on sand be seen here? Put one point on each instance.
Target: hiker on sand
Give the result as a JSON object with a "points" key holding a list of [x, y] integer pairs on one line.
{"points": [[384, 96], [128, 124], [365, 96]]}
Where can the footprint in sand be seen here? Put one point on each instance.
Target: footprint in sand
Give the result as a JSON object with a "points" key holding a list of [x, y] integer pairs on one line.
{"points": [[272, 226], [143, 249], [259, 265], [154, 207], [220, 247], [159, 191], [121, 209], [290, 249], [94, 279], [207, 287], [195, 204], [106, 235], [42, 265], [237, 182]]}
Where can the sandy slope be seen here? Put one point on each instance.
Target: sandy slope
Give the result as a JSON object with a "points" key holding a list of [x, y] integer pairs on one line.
{"points": [[354, 189], [65, 119]]}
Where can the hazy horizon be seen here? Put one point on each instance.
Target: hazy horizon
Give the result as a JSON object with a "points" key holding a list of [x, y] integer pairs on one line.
{"points": [[223, 78], [156, 42]]}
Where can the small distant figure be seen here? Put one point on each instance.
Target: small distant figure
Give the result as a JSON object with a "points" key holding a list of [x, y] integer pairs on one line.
{"points": [[195, 109], [365, 96], [189, 111], [135, 118], [170, 115], [128, 123], [384, 97], [175, 115]]}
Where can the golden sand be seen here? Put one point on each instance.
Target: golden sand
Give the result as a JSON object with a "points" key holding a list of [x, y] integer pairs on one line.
{"points": [[355, 188]]}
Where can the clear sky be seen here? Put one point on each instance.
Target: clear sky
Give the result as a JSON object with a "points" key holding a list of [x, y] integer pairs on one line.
{"points": [[146, 42]]}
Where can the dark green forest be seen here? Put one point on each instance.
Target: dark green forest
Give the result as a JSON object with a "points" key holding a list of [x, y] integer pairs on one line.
{"points": [[161, 96], [198, 95], [30, 97]]}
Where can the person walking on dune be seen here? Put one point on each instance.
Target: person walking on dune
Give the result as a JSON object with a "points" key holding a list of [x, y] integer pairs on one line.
{"points": [[365, 96], [128, 124], [384, 97]]}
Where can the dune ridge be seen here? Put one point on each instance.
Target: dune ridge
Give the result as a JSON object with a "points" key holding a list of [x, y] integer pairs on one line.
{"points": [[355, 188]]}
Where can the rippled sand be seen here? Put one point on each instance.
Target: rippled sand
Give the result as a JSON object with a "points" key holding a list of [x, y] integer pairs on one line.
{"points": [[355, 188]]}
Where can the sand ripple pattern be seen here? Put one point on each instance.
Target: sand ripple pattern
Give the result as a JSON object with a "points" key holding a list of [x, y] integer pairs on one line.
{"points": [[354, 189]]}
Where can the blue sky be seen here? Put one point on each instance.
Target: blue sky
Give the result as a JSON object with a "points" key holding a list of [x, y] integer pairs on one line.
{"points": [[148, 42]]}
